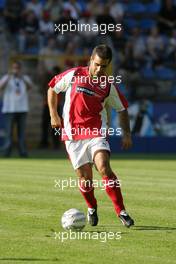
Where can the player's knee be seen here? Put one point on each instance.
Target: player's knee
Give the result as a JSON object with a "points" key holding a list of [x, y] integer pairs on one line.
{"points": [[84, 173], [85, 184], [104, 169]]}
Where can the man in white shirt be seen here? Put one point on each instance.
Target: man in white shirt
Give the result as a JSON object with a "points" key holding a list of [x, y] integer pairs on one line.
{"points": [[15, 88]]}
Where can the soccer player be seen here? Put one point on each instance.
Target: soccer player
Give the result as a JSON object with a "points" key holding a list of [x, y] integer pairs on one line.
{"points": [[83, 119]]}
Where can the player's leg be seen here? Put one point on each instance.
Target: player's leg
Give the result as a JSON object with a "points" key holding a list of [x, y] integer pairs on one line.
{"points": [[112, 186], [9, 120], [86, 188], [110, 180], [21, 119], [82, 164], [85, 184]]}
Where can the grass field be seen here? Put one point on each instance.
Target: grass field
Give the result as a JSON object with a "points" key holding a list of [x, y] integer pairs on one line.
{"points": [[31, 207]]}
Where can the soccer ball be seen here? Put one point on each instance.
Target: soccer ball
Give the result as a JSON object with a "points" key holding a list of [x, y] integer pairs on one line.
{"points": [[73, 219]]}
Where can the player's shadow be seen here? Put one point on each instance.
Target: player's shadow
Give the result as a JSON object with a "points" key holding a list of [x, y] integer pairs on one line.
{"points": [[28, 259], [154, 228], [135, 227], [106, 229]]}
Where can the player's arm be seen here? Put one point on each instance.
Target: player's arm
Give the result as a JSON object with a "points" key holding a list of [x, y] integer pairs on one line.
{"points": [[3, 82], [52, 104], [28, 82], [108, 112], [59, 83], [125, 125], [117, 101]]}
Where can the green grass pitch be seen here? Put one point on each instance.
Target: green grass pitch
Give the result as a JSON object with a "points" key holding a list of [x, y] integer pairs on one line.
{"points": [[31, 206]]}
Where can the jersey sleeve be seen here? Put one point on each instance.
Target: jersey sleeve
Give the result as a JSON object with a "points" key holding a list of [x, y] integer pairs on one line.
{"points": [[4, 79], [116, 99], [27, 79], [61, 82]]}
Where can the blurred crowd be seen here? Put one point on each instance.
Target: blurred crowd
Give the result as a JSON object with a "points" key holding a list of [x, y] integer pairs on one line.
{"points": [[144, 50], [146, 45]]}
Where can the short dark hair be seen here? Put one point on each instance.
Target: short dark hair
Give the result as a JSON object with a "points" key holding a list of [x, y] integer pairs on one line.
{"points": [[103, 51]]}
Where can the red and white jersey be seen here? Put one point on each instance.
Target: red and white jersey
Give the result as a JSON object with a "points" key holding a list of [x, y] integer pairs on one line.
{"points": [[84, 110]]}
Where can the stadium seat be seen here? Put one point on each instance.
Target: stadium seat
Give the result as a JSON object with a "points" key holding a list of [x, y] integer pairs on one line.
{"points": [[165, 39], [173, 90], [130, 23], [147, 24], [2, 4], [82, 5], [148, 73], [153, 8], [164, 73], [136, 8]]}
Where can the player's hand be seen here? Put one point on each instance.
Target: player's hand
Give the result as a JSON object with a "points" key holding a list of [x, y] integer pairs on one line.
{"points": [[126, 141], [56, 121]]}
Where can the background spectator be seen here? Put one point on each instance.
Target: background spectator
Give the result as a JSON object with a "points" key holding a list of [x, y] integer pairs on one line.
{"points": [[144, 51], [46, 130], [167, 16], [50, 55], [15, 88]]}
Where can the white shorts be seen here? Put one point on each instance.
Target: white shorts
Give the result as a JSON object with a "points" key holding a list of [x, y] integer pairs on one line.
{"points": [[82, 151]]}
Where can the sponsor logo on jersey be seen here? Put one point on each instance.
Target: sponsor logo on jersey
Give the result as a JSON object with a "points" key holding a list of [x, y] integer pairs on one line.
{"points": [[85, 90]]}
